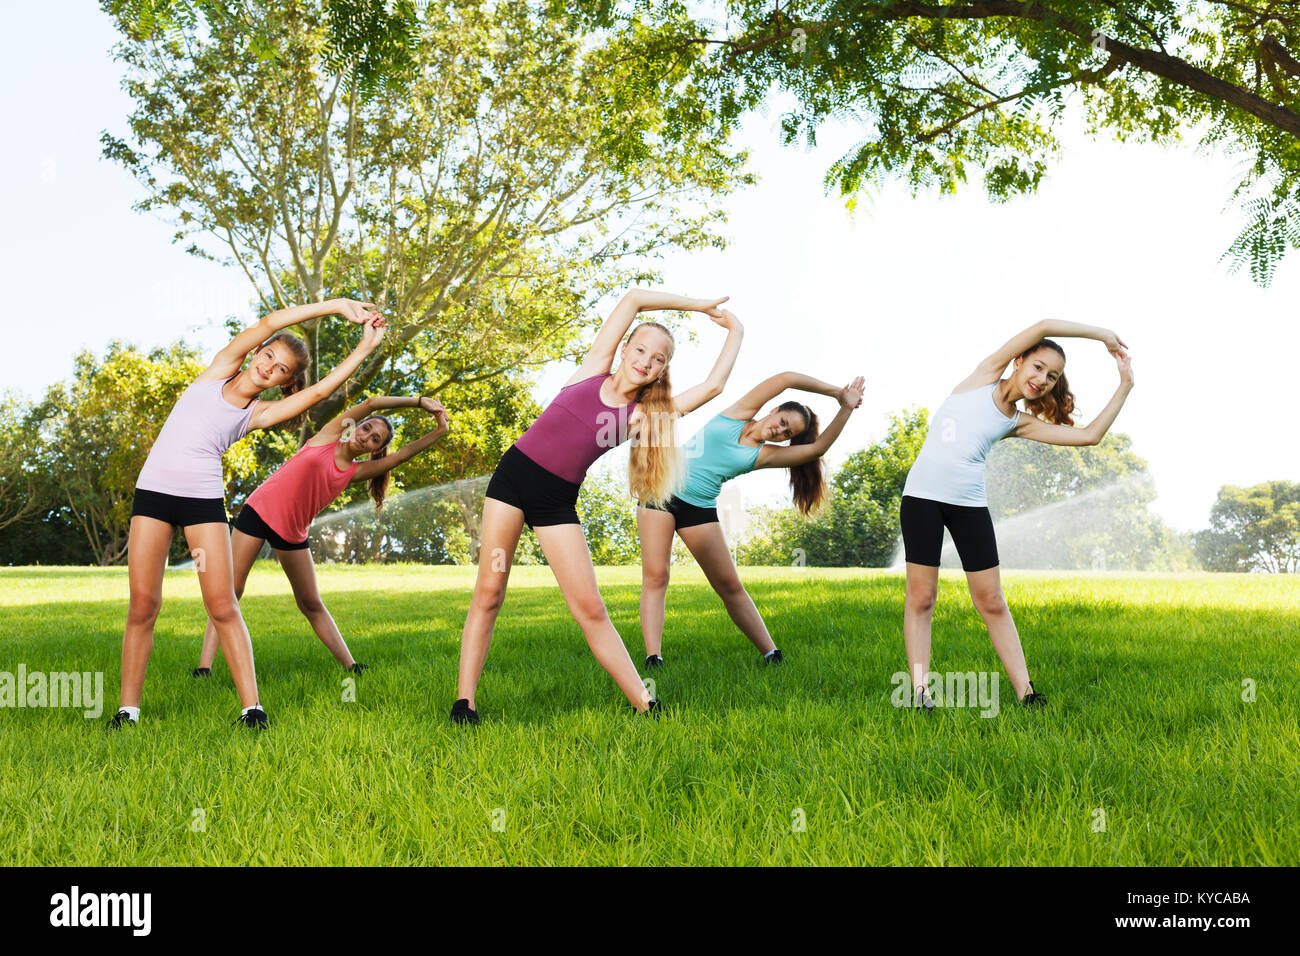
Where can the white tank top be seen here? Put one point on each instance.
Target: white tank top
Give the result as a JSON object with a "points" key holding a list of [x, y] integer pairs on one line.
{"points": [[950, 467], [185, 459]]}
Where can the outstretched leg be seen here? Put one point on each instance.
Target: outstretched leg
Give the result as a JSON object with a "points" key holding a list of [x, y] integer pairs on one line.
{"points": [[301, 572], [566, 552], [986, 594], [210, 543], [146, 561], [502, 525], [244, 549], [656, 532], [709, 546]]}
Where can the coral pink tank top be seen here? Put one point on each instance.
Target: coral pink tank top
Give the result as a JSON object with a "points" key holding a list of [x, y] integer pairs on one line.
{"points": [[299, 489]]}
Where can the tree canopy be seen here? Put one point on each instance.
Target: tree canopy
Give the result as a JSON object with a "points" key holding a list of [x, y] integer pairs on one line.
{"points": [[510, 175], [942, 91]]}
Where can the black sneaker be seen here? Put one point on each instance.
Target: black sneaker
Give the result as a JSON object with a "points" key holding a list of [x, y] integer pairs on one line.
{"points": [[121, 719], [654, 709], [921, 699], [1033, 698], [201, 672], [462, 713], [255, 719], [652, 661], [356, 668], [774, 656]]}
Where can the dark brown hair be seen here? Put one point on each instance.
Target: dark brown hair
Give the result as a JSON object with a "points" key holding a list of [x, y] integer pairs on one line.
{"points": [[1057, 406], [378, 485], [807, 481]]}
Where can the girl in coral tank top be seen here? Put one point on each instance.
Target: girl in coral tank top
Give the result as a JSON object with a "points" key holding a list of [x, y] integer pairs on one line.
{"points": [[281, 509]]}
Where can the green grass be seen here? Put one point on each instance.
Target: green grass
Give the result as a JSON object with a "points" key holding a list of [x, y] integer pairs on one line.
{"points": [[1146, 721]]}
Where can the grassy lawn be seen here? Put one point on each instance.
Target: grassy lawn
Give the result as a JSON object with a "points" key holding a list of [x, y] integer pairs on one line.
{"points": [[808, 763]]}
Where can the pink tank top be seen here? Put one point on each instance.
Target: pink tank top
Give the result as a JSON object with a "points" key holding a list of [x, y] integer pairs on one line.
{"points": [[299, 489], [185, 459], [576, 429]]}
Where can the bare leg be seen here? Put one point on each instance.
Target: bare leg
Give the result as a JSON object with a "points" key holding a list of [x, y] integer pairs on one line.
{"points": [[707, 543], [244, 549], [566, 552], [146, 560], [217, 582], [502, 525], [986, 594], [918, 609], [301, 572], [656, 531]]}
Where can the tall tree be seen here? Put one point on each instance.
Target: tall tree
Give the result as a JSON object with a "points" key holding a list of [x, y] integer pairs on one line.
{"points": [[515, 174], [1253, 529], [942, 89]]}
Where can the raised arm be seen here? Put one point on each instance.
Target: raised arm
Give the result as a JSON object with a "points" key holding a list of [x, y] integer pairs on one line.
{"points": [[600, 357], [991, 369], [695, 396], [267, 414], [231, 358], [1035, 429], [788, 456], [359, 412], [370, 469], [752, 402]]}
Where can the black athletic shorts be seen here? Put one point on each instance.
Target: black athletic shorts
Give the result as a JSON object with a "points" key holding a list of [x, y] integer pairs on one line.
{"points": [[686, 514], [251, 523], [544, 498], [923, 521], [176, 510]]}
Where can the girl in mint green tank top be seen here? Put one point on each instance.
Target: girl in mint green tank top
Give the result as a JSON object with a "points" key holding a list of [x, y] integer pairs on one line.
{"points": [[732, 444]]}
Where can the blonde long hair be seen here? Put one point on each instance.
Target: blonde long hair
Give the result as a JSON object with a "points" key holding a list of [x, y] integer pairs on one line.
{"points": [[656, 467]]}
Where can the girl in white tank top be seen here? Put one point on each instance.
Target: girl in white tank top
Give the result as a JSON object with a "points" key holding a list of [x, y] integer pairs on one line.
{"points": [[945, 487]]}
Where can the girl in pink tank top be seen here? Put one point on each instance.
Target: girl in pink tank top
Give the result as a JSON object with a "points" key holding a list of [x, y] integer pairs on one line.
{"points": [[539, 476], [281, 509], [180, 484]]}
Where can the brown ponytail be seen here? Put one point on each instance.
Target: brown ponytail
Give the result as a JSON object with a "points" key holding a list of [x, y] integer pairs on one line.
{"points": [[1057, 406], [378, 485], [807, 481], [655, 463]]}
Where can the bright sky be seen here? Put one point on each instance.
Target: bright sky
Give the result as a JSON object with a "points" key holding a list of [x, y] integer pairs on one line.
{"points": [[909, 292]]}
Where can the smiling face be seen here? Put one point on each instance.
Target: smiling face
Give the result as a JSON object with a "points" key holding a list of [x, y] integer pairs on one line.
{"points": [[272, 365], [646, 354], [368, 437], [781, 425], [1036, 374]]}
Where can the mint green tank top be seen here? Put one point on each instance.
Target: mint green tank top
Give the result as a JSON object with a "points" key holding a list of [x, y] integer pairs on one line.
{"points": [[714, 455]]}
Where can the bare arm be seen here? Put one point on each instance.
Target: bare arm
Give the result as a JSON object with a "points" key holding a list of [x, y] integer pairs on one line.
{"points": [[695, 396], [231, 358], [1036, 429], [600, 357], [788, 456], [370, 469], [752, 402], [991, 369], [272, 413], [358, 413]]}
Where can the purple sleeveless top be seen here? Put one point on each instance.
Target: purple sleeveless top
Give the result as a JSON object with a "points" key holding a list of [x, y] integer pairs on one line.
{"points": [[185, 459], [576, 429]]}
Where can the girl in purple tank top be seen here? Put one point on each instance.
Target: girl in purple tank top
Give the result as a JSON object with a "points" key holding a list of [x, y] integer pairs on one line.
{"points": [[539, 477], [180, 484]]}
